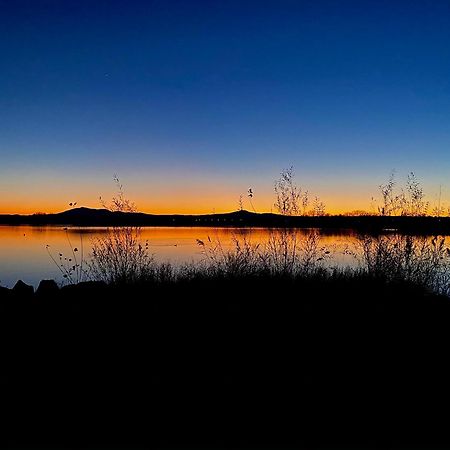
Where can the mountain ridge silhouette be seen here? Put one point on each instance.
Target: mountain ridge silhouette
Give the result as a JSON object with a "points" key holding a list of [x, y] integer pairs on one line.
{"points": [[84, 216]]}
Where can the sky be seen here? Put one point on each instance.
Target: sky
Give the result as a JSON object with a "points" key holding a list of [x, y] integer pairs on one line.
{"points": [[191, 103]]}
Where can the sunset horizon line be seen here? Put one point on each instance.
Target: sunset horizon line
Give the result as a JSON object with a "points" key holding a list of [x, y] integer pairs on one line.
{"points": [[203, 212], [329, 213]]}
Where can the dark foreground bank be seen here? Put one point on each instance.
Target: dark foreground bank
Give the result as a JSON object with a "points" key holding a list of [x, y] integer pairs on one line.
{"points": [[259, 363]]}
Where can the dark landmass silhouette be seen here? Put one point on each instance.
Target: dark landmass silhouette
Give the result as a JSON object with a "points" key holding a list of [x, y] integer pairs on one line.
{"points": [[103, 217], [225, 363]]}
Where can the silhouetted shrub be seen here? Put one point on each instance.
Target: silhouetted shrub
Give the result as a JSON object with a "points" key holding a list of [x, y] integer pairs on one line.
{"points": [[287, 252], [418, 259], [121, 256], [405, 202]]}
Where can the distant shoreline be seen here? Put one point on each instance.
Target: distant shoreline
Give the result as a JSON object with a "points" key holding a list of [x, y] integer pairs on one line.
{"points": [[104, 217]]}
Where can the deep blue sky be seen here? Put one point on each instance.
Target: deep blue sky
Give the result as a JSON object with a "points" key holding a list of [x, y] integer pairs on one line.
{"points": [[192, 102]]}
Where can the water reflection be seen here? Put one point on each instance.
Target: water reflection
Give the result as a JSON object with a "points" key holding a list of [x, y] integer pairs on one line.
{"points": [[23, 253]]}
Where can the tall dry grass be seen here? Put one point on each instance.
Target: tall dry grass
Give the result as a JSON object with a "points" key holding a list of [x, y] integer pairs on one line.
{"points": [[420, 260], [287, 253], [121, 257]]}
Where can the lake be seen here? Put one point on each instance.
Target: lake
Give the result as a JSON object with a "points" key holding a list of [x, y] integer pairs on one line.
{"points": [[24, 254]]}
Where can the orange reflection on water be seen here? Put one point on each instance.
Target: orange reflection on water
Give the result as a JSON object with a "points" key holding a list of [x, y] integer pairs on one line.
{"points": [[24, 253]]}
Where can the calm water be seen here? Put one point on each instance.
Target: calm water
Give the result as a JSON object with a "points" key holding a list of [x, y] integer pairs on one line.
{"points": [[24, 255]]}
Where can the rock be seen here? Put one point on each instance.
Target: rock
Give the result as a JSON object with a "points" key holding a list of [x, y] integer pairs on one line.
{"points": [[47, 287], [4, 292], [23, 289]]}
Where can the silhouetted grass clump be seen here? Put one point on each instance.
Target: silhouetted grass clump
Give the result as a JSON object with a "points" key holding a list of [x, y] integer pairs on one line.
{"points": [[287, 253], [122, 258], [419, 260]]}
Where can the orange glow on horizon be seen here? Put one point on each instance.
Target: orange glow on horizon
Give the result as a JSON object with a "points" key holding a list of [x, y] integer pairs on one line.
{"points": [[191, 195], [191, 203], [187, 207]]}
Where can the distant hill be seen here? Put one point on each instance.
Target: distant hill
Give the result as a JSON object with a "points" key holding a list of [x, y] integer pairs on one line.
{"points": [[103, 217]]}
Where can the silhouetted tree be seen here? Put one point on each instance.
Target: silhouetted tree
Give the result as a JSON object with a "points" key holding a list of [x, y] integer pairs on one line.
{"points": [[414, 202], [408, 202], [119, 203], [392, 203], [318, 207], [290, 200]]}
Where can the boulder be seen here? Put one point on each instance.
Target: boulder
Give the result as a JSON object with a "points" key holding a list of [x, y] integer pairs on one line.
{"points": [[47, 287], [23, 289]]}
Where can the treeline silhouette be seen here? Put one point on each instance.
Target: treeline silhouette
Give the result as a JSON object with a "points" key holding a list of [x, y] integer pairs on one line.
{"points": [[104, 217]]}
